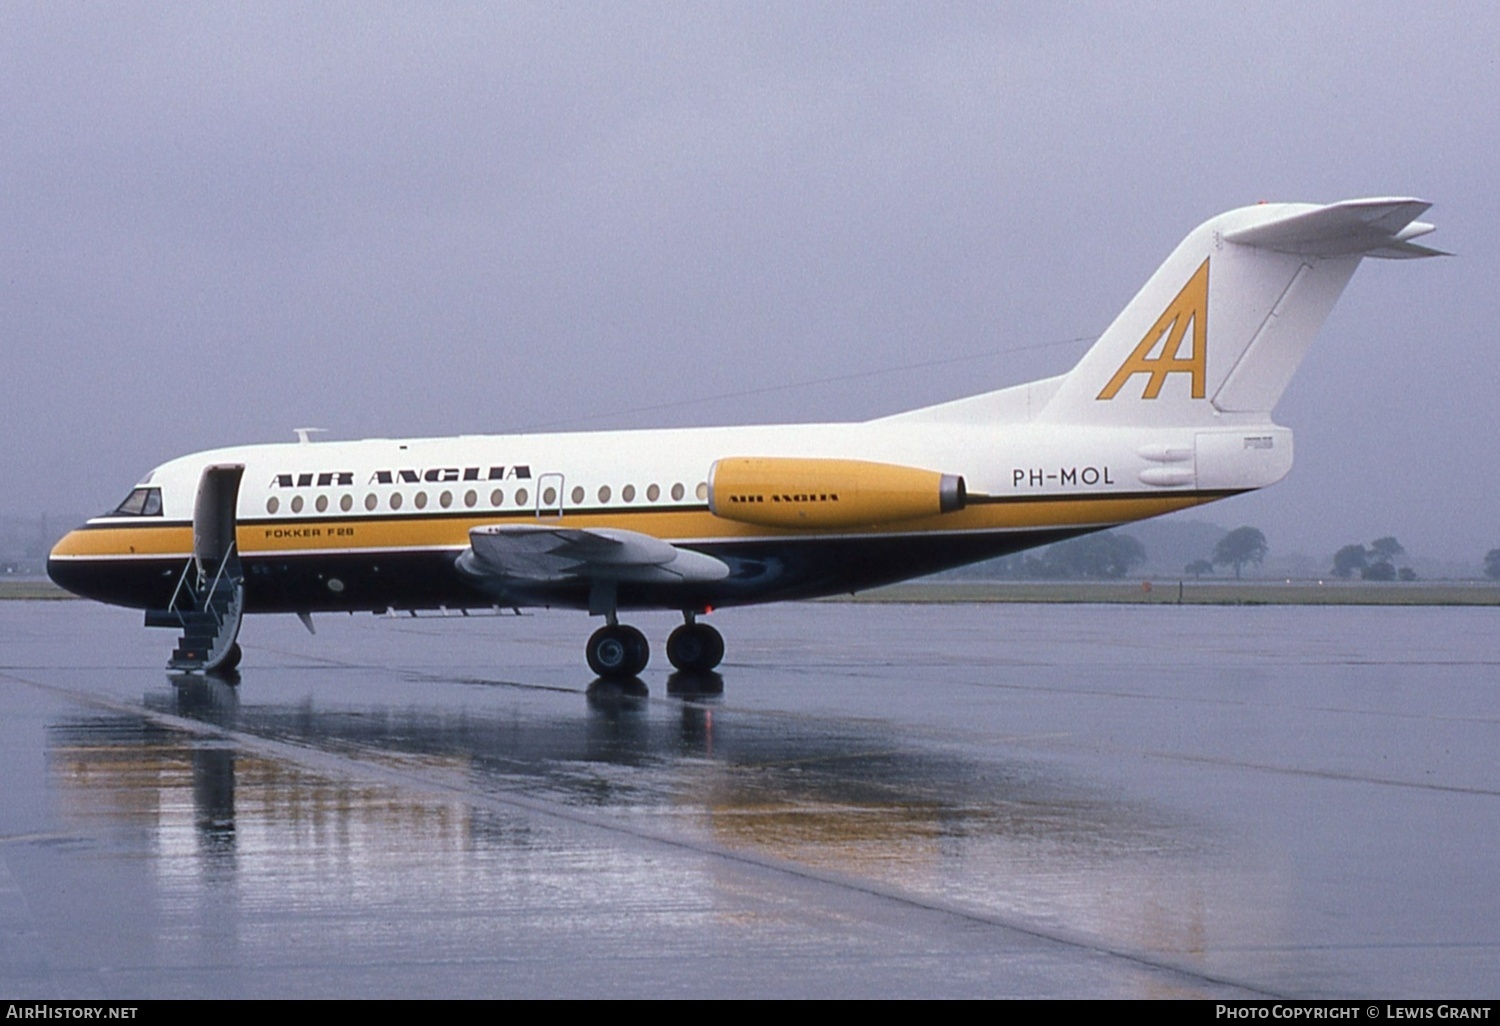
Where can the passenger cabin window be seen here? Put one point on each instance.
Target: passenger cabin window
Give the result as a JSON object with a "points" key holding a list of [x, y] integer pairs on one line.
{"points": [[142, 502]]}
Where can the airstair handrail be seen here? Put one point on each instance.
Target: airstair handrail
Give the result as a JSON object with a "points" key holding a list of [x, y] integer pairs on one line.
{"points": [[223, 565], [181, 582]]}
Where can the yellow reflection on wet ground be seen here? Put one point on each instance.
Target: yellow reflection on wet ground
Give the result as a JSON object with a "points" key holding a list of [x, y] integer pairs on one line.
{"points": [[1153, 830]]}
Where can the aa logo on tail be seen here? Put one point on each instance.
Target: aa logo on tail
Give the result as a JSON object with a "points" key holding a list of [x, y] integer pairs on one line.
{"points": [[1190, 307]]}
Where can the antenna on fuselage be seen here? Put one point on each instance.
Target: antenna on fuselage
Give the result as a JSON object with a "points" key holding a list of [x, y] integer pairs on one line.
{"points": [[302, 434]]}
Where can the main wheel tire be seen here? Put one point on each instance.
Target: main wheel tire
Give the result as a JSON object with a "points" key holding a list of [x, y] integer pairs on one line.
{"points": [[695, 646], [639, 648], [618, 651], [607, 653]]}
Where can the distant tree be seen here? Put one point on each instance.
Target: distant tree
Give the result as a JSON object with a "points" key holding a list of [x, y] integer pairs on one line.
{"points": [[1349, 560], [1240, 546], [1107, 555], [1492, 564], [1199, 567], [1376, 563]]}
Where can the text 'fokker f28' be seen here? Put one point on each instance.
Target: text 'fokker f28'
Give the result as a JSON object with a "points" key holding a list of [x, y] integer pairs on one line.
{"points": [[1170, 408]]}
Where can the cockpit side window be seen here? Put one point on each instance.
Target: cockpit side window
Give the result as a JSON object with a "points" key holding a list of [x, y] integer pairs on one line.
{"points": [[143, 502]]}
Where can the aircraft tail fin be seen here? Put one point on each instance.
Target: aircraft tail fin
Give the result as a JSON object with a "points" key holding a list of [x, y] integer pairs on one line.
{"points": [[1223, 324]]}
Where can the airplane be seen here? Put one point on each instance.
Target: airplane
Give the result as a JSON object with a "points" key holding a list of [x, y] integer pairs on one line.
{"points": [[1170, 408]]}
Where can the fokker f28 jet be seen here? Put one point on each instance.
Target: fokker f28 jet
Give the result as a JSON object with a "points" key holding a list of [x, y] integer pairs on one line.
{"points": [[1170, 408]]}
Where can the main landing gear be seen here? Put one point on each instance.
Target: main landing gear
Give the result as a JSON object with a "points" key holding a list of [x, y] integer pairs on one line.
{"points": [[695, 646], [617, 651]]}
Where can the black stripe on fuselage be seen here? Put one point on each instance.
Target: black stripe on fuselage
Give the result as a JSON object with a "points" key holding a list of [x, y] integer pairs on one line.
{"points": [[762, 570]]}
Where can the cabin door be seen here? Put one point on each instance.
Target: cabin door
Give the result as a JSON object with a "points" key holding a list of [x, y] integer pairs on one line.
{"points": [[214, 520]]}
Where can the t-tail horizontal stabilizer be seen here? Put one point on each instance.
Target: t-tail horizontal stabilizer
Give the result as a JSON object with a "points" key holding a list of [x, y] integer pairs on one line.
{"points": [[1369, 227]]}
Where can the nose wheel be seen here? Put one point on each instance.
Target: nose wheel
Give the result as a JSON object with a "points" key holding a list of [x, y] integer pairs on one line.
{"points": [[617, 651], [695, 646]]}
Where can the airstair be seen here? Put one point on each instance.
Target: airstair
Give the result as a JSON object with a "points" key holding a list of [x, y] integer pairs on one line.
{"points": [[207, 610]]}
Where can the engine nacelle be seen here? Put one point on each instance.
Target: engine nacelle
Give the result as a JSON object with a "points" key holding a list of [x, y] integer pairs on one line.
{"points": [[776, 491]]}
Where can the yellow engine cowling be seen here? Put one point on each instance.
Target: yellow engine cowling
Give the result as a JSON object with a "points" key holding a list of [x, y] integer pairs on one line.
{"points": [[775, 491]]}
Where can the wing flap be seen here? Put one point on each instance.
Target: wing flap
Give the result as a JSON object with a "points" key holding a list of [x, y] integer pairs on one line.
{"points": [[543, 553]]}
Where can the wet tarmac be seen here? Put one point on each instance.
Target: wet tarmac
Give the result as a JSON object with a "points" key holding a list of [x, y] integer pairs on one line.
{"points": [[1031, 801]]}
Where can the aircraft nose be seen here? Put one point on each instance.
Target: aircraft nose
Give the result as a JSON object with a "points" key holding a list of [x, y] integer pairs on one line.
{"points": [[64, 571]]}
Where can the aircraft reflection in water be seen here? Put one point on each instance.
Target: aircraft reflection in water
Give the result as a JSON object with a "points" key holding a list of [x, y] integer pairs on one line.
{"points": [[1002, 836], [1171, 408]]}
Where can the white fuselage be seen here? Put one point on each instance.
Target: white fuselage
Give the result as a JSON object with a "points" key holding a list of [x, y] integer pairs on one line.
{"points": [[338, 510]]}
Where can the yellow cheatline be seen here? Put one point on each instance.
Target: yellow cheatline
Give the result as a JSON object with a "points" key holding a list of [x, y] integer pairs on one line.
{"points": [[137, 540]]}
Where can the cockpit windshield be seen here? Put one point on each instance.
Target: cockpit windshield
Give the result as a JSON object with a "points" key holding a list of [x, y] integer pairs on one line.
{"points": [[143, 502]]}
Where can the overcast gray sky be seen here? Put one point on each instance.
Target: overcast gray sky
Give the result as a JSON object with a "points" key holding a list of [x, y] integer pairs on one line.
{"points": [[221, 222]]}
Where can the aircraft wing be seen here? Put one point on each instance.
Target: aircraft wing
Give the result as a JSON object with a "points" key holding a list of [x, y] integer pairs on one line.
{"points": [[536, 552]]}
